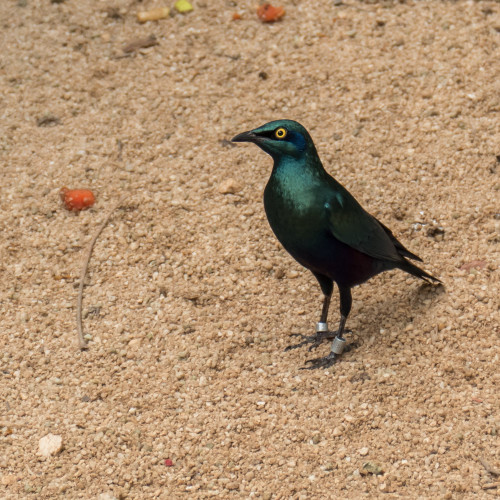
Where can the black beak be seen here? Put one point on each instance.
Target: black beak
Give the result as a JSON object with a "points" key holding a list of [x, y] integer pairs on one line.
{"points": [[245, 137]]}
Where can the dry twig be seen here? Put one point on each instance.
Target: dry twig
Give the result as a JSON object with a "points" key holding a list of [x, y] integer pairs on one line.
{"points": [[490, 486], [81, 338], [140, 43]]}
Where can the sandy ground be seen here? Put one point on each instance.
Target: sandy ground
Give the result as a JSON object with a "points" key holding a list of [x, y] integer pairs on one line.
{"points": [[190, 300]]}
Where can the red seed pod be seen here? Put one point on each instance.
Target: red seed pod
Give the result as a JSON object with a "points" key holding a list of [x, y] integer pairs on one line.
{"points": [[268, 14], [77, 199]]}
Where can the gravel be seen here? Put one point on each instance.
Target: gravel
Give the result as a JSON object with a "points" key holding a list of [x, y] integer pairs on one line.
{"points": [[190, 299]]}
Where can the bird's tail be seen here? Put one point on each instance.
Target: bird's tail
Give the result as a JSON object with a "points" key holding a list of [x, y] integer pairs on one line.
{"points": [[417, 272]]}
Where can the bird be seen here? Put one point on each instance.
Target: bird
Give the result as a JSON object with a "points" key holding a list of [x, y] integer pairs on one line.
{"points": [[324, 228]]}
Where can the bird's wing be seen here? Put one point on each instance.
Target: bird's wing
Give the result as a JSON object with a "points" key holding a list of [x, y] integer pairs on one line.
{"points": [[402, 250], [352, 225]]}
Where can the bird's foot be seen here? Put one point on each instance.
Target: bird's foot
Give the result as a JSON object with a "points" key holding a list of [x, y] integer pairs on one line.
{"points": [[351, 346], [315, 340], [338, 347]]}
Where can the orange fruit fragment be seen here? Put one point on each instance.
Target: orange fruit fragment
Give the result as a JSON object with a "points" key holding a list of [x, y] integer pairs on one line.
{"points": [[268, 14], [77, 199]]}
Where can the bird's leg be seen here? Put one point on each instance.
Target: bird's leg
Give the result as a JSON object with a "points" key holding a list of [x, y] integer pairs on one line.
{"points": [[322, 325], [337, 348], [339, 343], [322, 332]]}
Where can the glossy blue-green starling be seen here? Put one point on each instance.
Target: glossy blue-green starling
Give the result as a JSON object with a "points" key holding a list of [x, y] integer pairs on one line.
{"points": [[323, 227]]}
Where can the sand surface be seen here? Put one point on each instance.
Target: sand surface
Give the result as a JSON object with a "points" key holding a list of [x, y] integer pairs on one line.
{"points": [[191, 301]]}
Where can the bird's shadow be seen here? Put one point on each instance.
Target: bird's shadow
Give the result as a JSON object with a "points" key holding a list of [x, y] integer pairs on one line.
{"points": [[397, 308]]}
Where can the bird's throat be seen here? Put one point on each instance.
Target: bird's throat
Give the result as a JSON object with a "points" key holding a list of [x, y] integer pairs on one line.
{"points": [[293, 185]]}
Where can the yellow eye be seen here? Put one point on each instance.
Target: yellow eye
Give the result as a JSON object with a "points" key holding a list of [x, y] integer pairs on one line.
{"points": [[280, 133]]}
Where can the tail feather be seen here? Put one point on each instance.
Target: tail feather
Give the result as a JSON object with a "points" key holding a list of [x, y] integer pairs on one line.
{"points": [[404, 252], [414, 270]]}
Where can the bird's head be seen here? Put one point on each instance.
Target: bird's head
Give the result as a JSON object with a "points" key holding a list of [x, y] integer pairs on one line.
{"points": [[279, 139]]}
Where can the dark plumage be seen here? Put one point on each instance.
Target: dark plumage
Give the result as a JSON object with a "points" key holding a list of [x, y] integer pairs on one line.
{"points": [[322, 226]]}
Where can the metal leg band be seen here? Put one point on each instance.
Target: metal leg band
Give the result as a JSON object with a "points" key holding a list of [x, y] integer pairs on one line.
{"points": [[338, 345], [321, 327]]}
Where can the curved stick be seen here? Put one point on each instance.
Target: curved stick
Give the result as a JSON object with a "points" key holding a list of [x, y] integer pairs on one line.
{"points": [[81, 339]]}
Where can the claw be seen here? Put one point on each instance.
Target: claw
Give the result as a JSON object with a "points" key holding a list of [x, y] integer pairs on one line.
{"points": [[314, 345], [315, 340], [351, 346], [296, 346], [325, 362], [301, 335]]}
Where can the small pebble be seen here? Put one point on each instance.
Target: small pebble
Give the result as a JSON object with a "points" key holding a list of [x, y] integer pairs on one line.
{"points": [[50, 445], [372, 468], [134, 343], [229, 186], [106, 496]]}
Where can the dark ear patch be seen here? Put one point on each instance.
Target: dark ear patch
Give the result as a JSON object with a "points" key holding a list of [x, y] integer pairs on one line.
{"points": [[297, 139]]}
